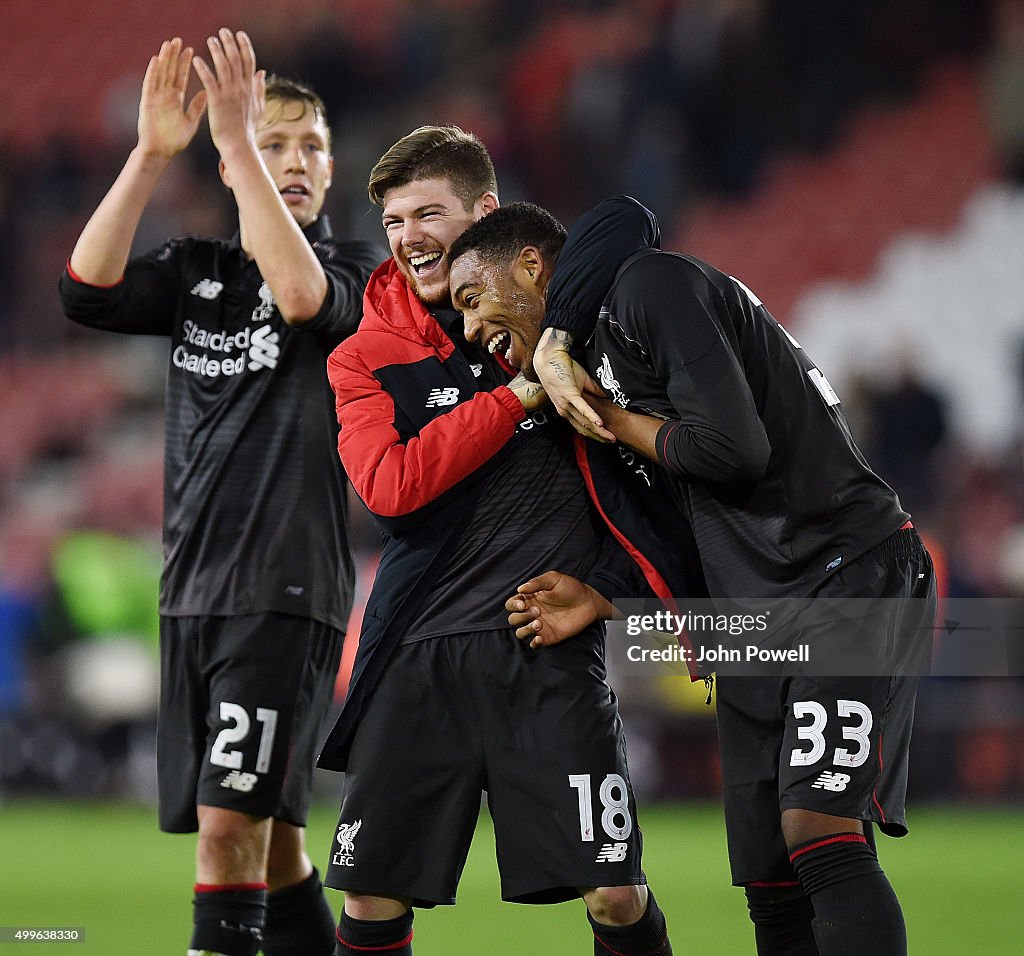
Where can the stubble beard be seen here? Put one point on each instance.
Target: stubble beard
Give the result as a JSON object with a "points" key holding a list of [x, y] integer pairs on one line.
{"points": [[440, 296]]}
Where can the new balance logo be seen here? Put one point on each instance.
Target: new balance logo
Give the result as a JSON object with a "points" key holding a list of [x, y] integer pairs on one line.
{"points": [[478, 370], [346, 841], [237, 780], [831, 780], [442, 396], [263, 350], [612, 853], [207, 289]]}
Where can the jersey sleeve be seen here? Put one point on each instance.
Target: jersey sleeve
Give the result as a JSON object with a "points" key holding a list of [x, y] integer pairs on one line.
{"points": [[596, 247], [615, 575], [143, 302], [674, 313], [397, 476], [347, 265]]}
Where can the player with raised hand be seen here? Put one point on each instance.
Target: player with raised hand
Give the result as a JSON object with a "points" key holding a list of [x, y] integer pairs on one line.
{"points": [[258, 578]]}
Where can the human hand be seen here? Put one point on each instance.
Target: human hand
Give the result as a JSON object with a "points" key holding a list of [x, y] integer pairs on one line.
{"points": [[553, 606], [531, 394], [564, 379], [165, 125], [235, 88]]}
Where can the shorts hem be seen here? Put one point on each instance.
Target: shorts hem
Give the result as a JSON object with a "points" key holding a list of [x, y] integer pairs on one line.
{"points": [[561, 893], [420, 899], [892, 827]]}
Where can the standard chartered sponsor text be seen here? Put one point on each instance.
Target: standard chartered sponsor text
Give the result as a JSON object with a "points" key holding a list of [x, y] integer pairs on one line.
{"points": [[230, 350]]}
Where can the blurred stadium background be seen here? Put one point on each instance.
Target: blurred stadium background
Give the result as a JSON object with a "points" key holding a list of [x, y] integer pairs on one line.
{"points": [[859, 165]]}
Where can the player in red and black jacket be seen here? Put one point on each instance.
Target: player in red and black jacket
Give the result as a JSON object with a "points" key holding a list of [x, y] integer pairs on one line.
{"points": [[746, 441], [474, 485]]}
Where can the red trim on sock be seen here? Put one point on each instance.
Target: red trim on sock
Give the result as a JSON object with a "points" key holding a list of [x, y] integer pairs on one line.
{"points": [[227, 887], [653, 952], [838, 838], [773, 883], [74, 275], [374, 949]]}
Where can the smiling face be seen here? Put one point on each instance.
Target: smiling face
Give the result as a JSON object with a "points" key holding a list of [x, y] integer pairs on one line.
{"points": [[422, 219], [502, 305], [294, 142]]}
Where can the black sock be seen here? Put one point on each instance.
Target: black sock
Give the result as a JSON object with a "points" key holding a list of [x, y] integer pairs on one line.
{"points": [[782, 918], [229, 919], [299, 920], [855, 908], [390, 937], [648, 936]]}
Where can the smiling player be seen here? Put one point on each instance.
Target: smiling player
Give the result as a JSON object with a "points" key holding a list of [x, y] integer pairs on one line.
{"points": [[258, 579], [474, 487]]}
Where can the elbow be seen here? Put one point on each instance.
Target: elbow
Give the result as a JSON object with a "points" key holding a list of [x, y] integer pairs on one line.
{"points": [[301, 304], [297, 312], [751, 462], [636, 215]]}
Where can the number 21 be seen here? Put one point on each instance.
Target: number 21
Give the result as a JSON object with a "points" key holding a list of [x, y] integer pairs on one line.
{"points": [[232, 759]]}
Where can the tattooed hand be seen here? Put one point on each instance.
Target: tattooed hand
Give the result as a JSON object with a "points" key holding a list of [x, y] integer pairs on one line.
{"points": [[531, 394], [565, 379]]}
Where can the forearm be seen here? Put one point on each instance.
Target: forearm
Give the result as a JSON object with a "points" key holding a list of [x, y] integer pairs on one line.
{"points": [[597, 245], [639, 432], [101, 253], [394, 476], [273, 238], [604, 610]]}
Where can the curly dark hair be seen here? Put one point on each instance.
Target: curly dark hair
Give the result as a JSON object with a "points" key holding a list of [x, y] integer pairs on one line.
{"points": [[500, 236]]}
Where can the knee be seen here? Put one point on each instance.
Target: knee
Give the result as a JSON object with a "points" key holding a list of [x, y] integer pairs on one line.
{"points": [[227, 837], [802, 826], [363, 906], [287, 862], [770, 906], [616, 905]]}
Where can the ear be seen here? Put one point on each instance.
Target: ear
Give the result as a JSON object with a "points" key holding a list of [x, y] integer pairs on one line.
{"points": [[223, 170], [330, 172], [486, 204], [531, 267]]}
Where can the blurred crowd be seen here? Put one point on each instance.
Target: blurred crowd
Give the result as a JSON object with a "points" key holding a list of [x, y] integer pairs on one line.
{"points": [[672, 101]]}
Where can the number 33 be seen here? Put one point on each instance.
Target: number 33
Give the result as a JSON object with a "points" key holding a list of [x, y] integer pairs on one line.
{"points": [[814, 733]]}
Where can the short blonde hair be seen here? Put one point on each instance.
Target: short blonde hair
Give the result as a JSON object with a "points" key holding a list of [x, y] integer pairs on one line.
{"points": [[435, 152], [292, 91]]}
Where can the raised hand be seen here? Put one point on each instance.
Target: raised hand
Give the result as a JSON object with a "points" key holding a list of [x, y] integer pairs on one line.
{"points": [[235, 89], [552, 607], [166, 126], [565, 380]]}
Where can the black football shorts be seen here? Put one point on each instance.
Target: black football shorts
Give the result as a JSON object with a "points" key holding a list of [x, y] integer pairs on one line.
{"points": [[538, 730], [836, 745], [242, 706]]}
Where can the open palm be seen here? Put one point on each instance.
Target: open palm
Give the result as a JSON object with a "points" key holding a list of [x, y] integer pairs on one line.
{"points": [[166, 125]]}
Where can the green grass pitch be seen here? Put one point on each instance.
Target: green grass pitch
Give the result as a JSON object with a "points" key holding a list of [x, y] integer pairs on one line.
{"points": [[107, 869]]}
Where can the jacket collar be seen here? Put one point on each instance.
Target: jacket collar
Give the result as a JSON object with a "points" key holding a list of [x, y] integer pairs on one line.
{"points": [[389, 304]]}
